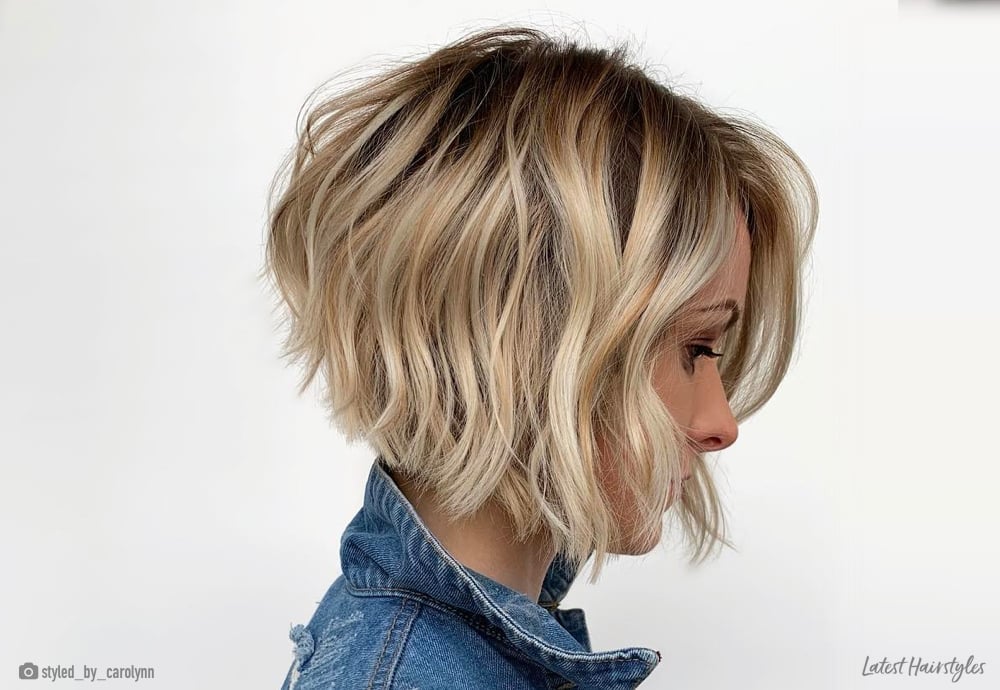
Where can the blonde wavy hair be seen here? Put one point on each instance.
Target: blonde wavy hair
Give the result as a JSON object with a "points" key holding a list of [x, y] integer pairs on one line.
{"points": [[485, 250]]}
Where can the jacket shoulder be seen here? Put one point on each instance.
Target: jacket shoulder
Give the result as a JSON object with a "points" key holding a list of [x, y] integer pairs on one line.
{"points": [[401, 641]]}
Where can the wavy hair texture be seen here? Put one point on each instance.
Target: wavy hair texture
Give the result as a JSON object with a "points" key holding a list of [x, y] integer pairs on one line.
{"points": [[485, 249]]}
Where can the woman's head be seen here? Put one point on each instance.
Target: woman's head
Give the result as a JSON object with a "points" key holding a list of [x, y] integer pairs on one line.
{"points": [[497, 254]]}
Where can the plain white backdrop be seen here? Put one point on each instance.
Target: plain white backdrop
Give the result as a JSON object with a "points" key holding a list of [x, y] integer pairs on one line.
{"points": [[167, 500]]}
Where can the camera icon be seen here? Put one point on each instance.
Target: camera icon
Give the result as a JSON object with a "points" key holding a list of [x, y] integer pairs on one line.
{"points": [[27, 671]]}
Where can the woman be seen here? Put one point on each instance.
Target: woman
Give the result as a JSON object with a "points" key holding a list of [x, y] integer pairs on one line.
{"points": [[541, 286]]}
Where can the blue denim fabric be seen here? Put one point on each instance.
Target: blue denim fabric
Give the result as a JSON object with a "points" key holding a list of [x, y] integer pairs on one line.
{"points": [[406, 615]]}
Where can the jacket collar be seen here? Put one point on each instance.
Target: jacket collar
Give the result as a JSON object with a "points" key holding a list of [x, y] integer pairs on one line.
{"points": [[388, 547]]}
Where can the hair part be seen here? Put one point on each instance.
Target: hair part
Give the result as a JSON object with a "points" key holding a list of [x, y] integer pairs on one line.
{"points": [[482, 250]]}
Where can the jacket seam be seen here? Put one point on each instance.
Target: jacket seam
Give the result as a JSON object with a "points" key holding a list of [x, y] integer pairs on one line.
{"points": [[404, 638], [406, 625]]}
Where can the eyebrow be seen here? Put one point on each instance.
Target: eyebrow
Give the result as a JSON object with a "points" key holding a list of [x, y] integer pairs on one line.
{"points": [[722, 306]]}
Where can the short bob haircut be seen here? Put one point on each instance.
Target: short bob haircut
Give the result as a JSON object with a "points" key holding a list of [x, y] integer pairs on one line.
{"points": [[485, 250]]}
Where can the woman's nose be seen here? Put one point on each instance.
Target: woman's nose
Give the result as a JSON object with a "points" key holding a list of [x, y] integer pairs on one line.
{"points": [[714, 427]]}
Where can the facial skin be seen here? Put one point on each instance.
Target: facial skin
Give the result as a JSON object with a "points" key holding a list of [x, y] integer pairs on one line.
{"points": [[693, 393], [694, 397]]}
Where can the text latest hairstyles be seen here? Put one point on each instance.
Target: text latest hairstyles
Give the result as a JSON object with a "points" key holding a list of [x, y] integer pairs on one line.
{"points": [[485, 249]]}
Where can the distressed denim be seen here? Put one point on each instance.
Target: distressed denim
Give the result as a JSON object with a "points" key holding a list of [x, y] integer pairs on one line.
{"points": [[405, 615]]}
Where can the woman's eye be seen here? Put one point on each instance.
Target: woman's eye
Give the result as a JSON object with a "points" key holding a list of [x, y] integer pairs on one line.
{"points": [[695, 351]]}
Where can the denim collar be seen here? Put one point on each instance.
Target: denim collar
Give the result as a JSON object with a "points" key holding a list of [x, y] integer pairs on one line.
{"points": [[388, 547]]}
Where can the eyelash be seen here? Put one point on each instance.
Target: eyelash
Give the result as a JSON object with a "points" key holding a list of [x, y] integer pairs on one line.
{"points": [[700, 351]]}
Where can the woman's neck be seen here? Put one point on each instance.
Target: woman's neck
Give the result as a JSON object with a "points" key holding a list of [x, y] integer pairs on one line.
{"points": [[484, 542]]}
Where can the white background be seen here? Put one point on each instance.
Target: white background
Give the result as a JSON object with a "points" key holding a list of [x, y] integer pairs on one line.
{"points": [[167, 500]]}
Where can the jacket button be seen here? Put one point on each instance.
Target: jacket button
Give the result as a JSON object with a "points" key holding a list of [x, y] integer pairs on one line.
{"points": [[304, 644]]}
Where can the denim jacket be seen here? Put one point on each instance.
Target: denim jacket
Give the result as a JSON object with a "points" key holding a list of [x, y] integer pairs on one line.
{"points": [[405, 615]]}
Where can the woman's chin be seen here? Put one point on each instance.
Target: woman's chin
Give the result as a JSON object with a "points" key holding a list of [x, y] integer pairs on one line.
{"points": [[635, 547]]}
